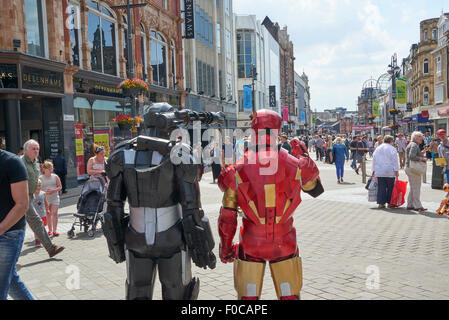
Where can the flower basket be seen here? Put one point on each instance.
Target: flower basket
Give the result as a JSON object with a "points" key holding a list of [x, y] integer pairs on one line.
{"points": [[124, 126], [133, 87], [394, 111], [126, 122]]}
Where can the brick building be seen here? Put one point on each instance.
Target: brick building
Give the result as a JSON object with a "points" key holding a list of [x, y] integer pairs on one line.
{"points": [[61, 62]]}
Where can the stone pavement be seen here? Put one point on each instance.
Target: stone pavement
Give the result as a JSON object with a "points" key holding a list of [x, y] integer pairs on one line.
{"points": [[350, 250]]}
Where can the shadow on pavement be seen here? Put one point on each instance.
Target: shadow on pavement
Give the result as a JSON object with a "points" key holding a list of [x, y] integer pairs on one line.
{"points": [[18, 266], [83, 235]]}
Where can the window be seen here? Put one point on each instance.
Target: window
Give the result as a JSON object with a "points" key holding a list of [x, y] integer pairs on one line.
{"points": [[75, 32], [101, 39], [426, 96], [211, 33], [198, 23], [246, 55], [218, 38], [240, 100], [159, 59], [202, 25], [34, 19], [434, 34], [199, 76], [206, 30], [125, 41], [173, 62], [143, 52], [439, 93], [439, 65], [227, 9], [228, 44], [166, 4], [426, 66], [425, 35]]}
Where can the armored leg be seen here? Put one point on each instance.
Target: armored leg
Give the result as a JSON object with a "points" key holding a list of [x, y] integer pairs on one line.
{"points": [[141, 273], [248, 279], [287, 278], [176, 278]]}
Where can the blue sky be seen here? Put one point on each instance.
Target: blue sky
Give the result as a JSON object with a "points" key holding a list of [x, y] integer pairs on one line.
{"points": [[341, 43]]}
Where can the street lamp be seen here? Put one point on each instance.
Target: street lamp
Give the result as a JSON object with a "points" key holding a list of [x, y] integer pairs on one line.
{"points": [[394, 72]]}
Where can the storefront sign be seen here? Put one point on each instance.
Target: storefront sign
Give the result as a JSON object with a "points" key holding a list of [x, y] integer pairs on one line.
{"points": [[360, 128], [8, 76], [79, 137], [94, 87], [272, 93], [376, 108], [42, 80], [189, 19], [53, 134], [443, 112]]}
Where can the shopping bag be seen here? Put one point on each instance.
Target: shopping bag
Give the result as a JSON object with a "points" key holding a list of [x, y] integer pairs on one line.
{"points": [[372, 191], [398, 194]]}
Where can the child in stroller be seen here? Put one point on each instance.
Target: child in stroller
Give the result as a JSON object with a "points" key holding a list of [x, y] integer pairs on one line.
{"points": [[90, 206]]}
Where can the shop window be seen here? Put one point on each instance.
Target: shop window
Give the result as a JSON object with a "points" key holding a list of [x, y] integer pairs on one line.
{"points": [[102, 39], [159, 59], [34, 18], [426, 66], [426, 96]]}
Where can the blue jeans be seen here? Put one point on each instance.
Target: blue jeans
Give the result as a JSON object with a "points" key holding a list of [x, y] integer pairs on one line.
{"points": [[340, 165], [10, 246]]}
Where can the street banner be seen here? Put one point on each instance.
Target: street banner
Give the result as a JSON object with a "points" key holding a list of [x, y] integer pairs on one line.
{"points": [[285, 113], [303, 116], [272, 94], [375, 108], [79, 143], [313, 118], [401, 94], [247, 99], [189, 19]]}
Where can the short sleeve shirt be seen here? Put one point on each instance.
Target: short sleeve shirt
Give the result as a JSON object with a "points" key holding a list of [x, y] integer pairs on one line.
{"points": [[12, 170]]}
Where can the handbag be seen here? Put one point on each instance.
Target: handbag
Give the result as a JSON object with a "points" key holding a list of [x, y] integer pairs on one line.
{"points": [[418, 167], [372, 191]]}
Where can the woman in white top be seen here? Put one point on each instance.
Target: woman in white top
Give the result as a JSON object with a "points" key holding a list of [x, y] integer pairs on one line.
{"points": [[386, 170], [51, 184], [95, 165]]}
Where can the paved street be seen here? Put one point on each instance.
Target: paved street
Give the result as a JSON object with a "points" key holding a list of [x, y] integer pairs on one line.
{"points": [[350, 250]]}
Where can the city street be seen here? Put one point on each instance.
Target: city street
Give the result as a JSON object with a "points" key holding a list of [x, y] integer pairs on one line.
{"points": [[350, 250]]}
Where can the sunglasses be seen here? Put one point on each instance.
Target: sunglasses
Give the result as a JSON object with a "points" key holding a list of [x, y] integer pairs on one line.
{"points": [[99, 149]]}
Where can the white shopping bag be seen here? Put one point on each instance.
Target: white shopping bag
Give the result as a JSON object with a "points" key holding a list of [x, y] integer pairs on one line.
{"points": [[372, 191]]}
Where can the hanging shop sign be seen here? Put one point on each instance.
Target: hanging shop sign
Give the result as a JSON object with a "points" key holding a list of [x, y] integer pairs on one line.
{"points": [[376, 108], [8, 76], [189, 19], [247, 99], [79, 142], [285, 113], [272, 96], [42, 80]]}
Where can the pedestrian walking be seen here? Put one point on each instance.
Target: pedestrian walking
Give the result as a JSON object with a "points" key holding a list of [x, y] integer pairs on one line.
{"points": [[353, 146], [60, 168], [401, 145], [413, 153], [14, 203], [379, 141], [95, 165], [228, 152], [386, 170], [41, 207], [328, 146], [285, 144], [370, 147], [319, 143], [31, 149], [443, 150], [434, 148], [51, 186], [340, 153], [216, 164]]}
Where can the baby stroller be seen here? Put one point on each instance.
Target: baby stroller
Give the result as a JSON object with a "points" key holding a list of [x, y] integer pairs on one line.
{"points": [[90, 206]]}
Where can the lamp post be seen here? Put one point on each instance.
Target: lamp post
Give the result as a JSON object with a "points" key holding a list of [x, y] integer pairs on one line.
{"points": [[394, 72]]}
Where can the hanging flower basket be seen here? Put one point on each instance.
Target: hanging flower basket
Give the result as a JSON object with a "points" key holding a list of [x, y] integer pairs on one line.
{"points": [[393, 111], [394, 126], [133, 87], [126, 122]]}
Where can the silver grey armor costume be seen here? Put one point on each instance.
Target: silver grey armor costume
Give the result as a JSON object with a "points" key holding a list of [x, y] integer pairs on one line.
{"points": [[166, 227]]}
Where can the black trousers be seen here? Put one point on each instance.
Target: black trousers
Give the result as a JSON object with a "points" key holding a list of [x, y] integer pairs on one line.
{"points": [[384, 190]]}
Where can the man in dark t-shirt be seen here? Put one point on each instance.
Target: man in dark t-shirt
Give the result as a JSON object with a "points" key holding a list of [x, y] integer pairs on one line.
{"points": [[285, 144], [14, 203]]}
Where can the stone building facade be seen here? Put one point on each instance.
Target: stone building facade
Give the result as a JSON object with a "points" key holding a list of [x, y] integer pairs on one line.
{"points": [[61, 62]]}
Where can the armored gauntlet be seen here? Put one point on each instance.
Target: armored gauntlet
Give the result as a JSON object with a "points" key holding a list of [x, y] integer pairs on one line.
{"points": [[114, 227]]}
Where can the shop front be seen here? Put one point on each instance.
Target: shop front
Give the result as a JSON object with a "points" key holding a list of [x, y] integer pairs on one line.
{"points": [[31, 103], [96, 102], [421, 122]]}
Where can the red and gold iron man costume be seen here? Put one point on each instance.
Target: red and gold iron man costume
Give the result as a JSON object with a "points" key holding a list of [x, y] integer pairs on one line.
{"points": [[299, 148], [267, 202]]}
